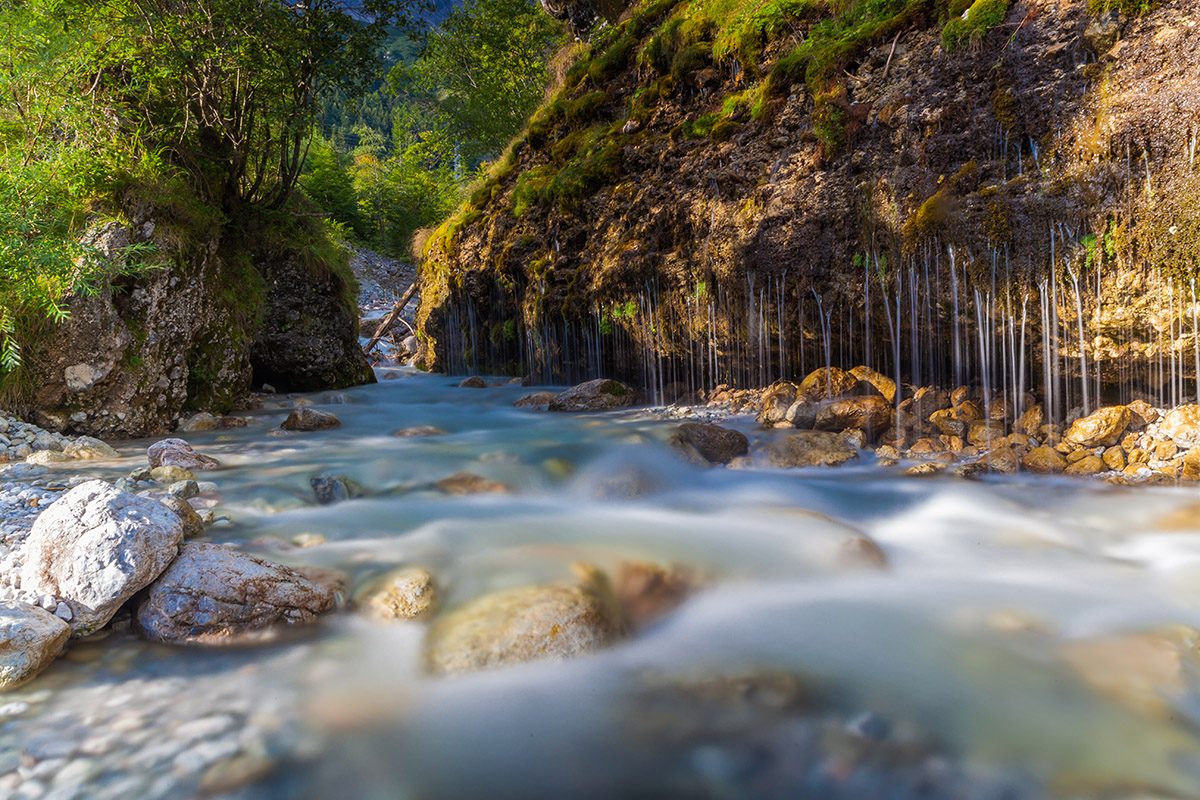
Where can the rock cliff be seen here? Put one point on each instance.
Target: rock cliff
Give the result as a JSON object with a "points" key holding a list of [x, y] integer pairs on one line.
{"points": [[945, 191]]}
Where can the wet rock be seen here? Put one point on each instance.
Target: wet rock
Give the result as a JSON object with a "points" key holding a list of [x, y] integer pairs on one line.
{"points": [[1030, 422], [408, 593], [927, 401], [418, 430], [1101, 429], [871, 414], [1114, 457], [309, 419], [229, 423], [531, 623], [927, 447], [193, 523], [203, 421], [597, 395], [330, 489], [30, 638], [716, 444], [1088, 465], [861, 552], [474, 382], [956, 421], [45, 457], [178, 453], [827, 383], [647, 592], [86, 447], [802, 414], [885, 386], [1002, 460], [212, 595], [465, 483], [184, 490], [807, 449], [985, 433], [776, 400], [1102, 31], [1182, 425], [1045, 460], [534, 400], [171, 475], [926, 469], [1138, 670], [95, 547]]}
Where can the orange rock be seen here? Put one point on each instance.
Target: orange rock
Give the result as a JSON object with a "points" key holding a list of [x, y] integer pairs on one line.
{"points": [[1044, 460]]}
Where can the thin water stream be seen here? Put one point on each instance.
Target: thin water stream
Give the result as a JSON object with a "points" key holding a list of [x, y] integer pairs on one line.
{"points": [[1029, 638]]}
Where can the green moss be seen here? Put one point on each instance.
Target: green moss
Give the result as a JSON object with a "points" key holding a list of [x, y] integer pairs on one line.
{"points": [[982, 16], [529, 189], [1133, 8], [723, 130], [584, 109], [690, 59], [614, 60], [699, 127]]}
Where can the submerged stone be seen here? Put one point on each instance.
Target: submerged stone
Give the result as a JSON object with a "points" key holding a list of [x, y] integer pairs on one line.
{"points": [[807, 449], [597, 395], [715, 444], [408, 593], [309, 419]]}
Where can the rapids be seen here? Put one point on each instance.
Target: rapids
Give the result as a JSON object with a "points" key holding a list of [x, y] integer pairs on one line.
{"points": [[1005, 653]]}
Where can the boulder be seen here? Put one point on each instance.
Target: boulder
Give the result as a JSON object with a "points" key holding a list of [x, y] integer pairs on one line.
{"points": [[203, 421], [45, 457], [178, 453], [95, 547], [1182, 426], [776, 400], [86, 447], [928, 400], [1045, 460], [214, 595], [877, 381], [1088, 465], [1101, 429], [534, 400], [716, 444], [309, 419], [474, 382], [30, 638], [330, 489], [551, 621], [827, 383], [802, 414], [807, 449], [871, 414], [597, 395], [1030, 422], [408, 593]]}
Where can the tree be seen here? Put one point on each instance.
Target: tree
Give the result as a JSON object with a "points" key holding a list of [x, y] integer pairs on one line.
{"points": [[484, 69], [230, 88]]}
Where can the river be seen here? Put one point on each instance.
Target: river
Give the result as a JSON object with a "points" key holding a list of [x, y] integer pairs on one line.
{"points": [[1030, 637]]}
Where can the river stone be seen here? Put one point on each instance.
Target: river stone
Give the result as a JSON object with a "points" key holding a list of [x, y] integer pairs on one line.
{"points": [[870, 414], [544, 622], [1045, 460], [171, 474], [1182, 425], [193, 523], [30, 638], [647, 592], [309, 419], [212, 595], [775, 402], [1101, 429], [534, 400], [474, 382], [716, 444], [202, 421], [986, 433], [877, 381], [1088, 465], [330, 489], [465, 483], [597, 395], [178, 453], [928, 400], [46, 457], [1030, 422], [827, 383], [408, 593], [85, 447], [95, 547], [808, 449], [418, 430], [802, 414]]}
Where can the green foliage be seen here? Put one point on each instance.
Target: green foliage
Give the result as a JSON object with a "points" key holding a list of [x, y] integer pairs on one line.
{"points": [[1133, 8], [982, 16], [329, 184]]}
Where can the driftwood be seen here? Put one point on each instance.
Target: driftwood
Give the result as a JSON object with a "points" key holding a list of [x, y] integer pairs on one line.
{"points": [[390, 319]]}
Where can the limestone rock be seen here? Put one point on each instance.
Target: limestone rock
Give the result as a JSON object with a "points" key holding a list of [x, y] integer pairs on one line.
{"points": [[178, 453], [827, 383], [213, 595], [45, 457], [309, 419], [871, 414], [545, 622], [807, 449], [30, 638], [85, 447], [1182, 426], [408, 593], [95, 547], [597, 395], [1045, 460], [716, 444], [1101, 429]]}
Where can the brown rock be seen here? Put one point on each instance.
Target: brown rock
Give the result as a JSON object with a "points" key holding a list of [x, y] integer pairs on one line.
{"points": [[309, 419], [928, 400], [776, 400], [1021, 441], [827, 384], [1077, 455], [545, 622], [1002, 460], [465, 483], [1088, 465], [1141, 414], [801, 414], [986, 433], [807, 449], [535, 399], [870, 414], [473, 382], [924, 447], [1165, 451], [960, 395], [716, 444], [408, 593], [648, 592], [926, 469], [1030, 422], [1182, 425], [1139, 671], [1044, 460], [1114, 458], [598, 395], [885, 386], [1104, 427]]}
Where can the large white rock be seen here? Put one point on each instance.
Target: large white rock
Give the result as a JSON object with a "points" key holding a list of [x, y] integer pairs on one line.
{"points": [[213, 595], [95, 547], [30, 638]]}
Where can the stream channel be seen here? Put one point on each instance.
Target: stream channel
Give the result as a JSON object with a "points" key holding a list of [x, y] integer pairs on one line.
{"points": [[1030, 636]]}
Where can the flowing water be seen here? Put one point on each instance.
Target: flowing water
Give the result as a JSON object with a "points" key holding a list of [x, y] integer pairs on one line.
{"points": [[1005, 653]]}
